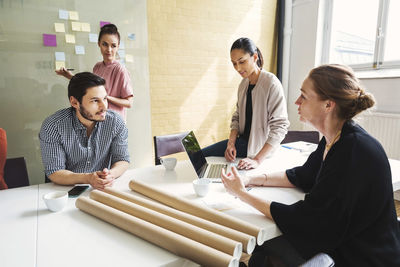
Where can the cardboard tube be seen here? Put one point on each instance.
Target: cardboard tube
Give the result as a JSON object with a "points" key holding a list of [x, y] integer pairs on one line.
{"points": [[185, 205], [248, 241], [195, 233], [173, 242]]}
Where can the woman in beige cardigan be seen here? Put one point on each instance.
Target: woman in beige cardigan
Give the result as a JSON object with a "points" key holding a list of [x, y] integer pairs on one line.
{"points": [[260, 121]]}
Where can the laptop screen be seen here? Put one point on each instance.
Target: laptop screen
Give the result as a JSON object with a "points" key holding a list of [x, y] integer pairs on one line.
{"points": [[194, 152]]}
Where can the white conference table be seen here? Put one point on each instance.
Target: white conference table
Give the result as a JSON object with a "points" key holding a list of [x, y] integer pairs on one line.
{"points": [[31, 235]]}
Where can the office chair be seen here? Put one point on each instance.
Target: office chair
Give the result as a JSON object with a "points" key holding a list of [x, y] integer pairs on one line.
{"points": [[15, 172], [167, 144], [3, 157], [306, 136]]}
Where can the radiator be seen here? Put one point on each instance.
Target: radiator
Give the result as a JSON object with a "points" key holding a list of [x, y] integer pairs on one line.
{"points": [[385, 127]]}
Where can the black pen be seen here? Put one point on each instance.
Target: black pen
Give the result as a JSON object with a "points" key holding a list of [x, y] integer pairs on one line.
{"points": [[70, 69]]}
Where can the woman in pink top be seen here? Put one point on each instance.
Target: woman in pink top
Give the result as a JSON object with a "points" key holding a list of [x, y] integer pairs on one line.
{"points": [[118, 82]]}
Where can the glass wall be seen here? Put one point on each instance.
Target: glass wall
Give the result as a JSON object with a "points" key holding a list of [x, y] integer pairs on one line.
{"points": [[37, 35]]}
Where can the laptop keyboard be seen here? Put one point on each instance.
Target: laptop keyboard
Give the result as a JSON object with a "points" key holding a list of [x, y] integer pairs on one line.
{"points": [[215, 170]]}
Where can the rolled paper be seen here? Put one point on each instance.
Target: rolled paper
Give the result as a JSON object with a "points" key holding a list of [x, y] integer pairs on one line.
{"points": [[248, 241], [173, 242], [195, 233], [187, 206]]}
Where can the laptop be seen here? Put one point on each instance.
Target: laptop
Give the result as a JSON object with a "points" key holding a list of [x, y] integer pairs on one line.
{"points": [[199, 162]]}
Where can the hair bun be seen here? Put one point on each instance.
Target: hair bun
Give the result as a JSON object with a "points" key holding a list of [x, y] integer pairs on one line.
{"points": [[110, 25], [365, 100]]}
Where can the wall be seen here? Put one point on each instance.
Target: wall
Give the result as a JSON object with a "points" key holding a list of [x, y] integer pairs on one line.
{"points": [[305, 46], [29, 89], [302, 53], [192, 82]]}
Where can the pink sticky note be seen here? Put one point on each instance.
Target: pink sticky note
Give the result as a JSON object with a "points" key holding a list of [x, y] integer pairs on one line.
{"points": [[102, 23], [49, 40]]}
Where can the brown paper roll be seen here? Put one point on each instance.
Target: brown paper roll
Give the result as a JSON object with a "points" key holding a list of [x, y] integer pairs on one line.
{"points": [[195, 233], [248, 241], [185, 205], [173, 242]]}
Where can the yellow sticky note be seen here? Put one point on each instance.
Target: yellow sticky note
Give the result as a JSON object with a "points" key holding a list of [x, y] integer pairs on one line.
{"points": [[73, 15], [76, 26], [85, 27], [128, 58], [59, 27], [60, 64], [70, 38]]}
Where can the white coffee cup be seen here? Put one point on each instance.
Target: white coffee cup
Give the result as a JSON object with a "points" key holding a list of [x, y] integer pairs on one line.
{"points": [[169, 163], [56, 201], [201, 186]]}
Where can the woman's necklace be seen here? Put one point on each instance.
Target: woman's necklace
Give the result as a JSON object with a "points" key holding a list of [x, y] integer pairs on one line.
{"points": [[328, 146]]}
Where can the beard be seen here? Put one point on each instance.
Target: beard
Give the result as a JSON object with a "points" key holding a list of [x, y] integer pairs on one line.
{"points": [[87, 115]]}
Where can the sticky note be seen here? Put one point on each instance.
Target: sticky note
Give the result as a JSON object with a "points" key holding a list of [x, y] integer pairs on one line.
{"points": [[102, 23], [121, 45], [70, 38], [121, 53], [128, 58], [85, 27], [63, 14], [49, 40], [79, 50], [59, 27], [60, 56], [131, 36], [73, 15], [60, 64], [93, 37], [76, 26]]}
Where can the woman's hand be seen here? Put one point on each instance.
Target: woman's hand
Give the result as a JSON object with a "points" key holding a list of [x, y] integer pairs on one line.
{"points": [[64, 72], [247, 164], [233, 182], [230, 152]]}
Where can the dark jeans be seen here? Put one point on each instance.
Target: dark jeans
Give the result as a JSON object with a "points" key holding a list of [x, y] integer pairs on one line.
{"points": [[218, 149], [277, 252]]}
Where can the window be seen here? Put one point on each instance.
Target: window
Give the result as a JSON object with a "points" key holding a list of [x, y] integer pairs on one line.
{"points": [[362, 34]]}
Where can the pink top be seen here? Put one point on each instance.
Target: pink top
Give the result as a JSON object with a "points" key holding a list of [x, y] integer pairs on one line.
{"points": [[118, 82]]}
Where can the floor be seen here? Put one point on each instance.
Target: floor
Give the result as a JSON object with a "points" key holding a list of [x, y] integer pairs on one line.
{"points": [[397, 204]]}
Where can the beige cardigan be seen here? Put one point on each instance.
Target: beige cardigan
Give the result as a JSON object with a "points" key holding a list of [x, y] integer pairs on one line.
{"points": [[270, 120]]}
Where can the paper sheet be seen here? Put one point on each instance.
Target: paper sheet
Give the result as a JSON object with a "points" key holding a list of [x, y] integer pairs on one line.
{"points": [[102, 23], [131, 36], [60, 56], [59, 27], [60, 64], [128, 58], [93, 37], [63, 14], [70, 38], [85, 27], [76, 26], [177, 244], [73, 15], [49, 39], [79, 50]]}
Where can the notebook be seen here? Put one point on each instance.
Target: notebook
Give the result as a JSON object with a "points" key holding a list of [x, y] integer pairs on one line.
{"points": [[199, 162]]}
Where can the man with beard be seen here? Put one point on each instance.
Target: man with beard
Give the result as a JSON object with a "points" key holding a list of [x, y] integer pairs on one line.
{"points": [[85, 143]]}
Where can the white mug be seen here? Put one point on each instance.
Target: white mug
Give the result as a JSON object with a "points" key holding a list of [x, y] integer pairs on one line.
{"points": [[201, 186], [169, 163], [56, 201]]}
